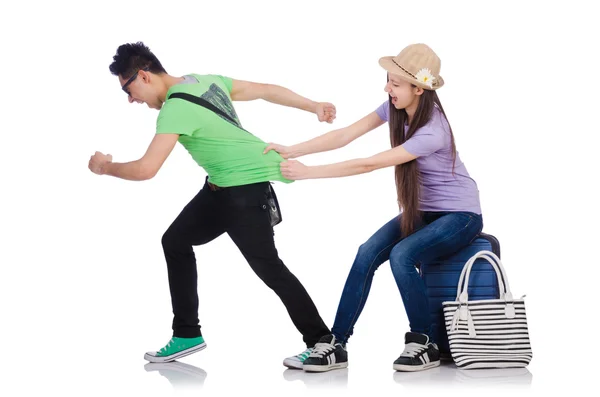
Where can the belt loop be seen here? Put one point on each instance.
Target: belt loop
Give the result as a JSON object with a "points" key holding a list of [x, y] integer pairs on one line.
{"points": [[214, 187]]}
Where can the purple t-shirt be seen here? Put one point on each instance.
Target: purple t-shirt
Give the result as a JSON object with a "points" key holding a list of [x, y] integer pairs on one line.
{"points": [[440, 190]]}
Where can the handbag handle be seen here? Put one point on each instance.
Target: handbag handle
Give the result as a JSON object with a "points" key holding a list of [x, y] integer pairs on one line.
{"points": [[462, 292], [480, 255]]}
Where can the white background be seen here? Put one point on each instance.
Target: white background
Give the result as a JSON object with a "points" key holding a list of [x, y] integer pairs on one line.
{"points": [[84, 288]]}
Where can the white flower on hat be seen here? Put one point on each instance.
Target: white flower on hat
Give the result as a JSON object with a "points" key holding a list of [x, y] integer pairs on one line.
{"points": [[424, 76]]}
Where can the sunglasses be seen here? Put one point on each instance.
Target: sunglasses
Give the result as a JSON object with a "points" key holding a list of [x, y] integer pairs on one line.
{"points": [[124, 88]]}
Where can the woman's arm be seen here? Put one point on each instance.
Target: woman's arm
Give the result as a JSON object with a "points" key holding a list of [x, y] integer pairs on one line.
{"points": [[295, 170], [332, 140]]}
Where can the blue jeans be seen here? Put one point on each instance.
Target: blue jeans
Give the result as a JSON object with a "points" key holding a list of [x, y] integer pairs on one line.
{"points": [[439, 234]]}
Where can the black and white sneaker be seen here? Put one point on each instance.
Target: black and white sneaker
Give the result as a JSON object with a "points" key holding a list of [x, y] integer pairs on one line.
{"points": [[418, 354], [326, 355], [295, 362]]}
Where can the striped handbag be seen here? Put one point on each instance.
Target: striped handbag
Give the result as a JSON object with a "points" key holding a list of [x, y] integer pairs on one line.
{"points": [[489, 333]]}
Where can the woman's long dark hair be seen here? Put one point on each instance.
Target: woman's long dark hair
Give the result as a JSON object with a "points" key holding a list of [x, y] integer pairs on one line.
{"points": [[407, 174]]}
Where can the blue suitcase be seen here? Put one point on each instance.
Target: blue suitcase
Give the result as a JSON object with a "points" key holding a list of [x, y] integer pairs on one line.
{"points": [[441, 282]]}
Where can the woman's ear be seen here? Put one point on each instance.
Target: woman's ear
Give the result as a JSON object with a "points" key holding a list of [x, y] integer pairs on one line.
{"points": [[418, 91]]}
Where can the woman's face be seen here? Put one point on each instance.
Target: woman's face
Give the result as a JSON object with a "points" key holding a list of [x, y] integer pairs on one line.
{"points": [[403, 93]]}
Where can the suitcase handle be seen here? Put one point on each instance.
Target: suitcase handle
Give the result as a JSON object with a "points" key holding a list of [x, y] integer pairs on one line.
{"points": [[462, 291]]}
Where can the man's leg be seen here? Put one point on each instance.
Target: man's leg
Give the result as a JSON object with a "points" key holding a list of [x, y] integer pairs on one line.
{"points": [[249, 227], [198, 223]]}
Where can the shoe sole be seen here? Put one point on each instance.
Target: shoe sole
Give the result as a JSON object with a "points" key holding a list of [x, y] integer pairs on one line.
{"points": [[173, 357], [324, 368], [292, 364], [414, 368]]}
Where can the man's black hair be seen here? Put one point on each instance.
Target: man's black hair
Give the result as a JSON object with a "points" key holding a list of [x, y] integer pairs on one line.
{"points": [[132, 57]]}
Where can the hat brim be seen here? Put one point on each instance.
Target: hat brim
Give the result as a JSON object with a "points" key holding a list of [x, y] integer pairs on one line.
{"points": [[389, 65]]}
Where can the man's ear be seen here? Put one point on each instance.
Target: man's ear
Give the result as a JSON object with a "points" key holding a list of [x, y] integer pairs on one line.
{"points": [[146, 77]]}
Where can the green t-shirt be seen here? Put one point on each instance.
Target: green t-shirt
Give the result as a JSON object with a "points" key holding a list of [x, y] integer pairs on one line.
{"points": [[229, 155]]}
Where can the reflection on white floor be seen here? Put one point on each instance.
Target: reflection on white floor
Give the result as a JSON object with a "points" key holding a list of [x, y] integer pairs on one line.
{"points": [[181, 376], [447, 373], [188, 377], [444, 375], [337, 378]]}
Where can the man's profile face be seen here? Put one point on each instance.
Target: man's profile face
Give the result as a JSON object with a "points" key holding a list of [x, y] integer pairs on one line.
{"points": [[139, 89]]}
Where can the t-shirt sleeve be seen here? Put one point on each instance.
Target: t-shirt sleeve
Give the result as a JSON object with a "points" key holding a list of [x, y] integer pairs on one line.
{"points": [[228, 82], [425, 141], [383, 111], [174, 119]]}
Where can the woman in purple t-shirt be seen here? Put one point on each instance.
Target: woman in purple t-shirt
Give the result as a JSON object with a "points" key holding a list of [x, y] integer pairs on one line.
{"points": [[439, 202]]}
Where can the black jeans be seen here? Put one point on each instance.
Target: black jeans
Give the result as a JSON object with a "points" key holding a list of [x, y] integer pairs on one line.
{"points": [[241, 212]]}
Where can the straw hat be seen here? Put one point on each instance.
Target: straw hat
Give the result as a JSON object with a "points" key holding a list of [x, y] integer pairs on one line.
{"points": [[417, 64]]}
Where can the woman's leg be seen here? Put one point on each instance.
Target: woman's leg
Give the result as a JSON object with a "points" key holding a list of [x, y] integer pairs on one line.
{"points": [[440, 237], [370, 256]]}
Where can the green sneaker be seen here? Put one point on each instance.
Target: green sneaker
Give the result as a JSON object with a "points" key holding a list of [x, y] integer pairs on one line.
{"points": [[175, 349]]}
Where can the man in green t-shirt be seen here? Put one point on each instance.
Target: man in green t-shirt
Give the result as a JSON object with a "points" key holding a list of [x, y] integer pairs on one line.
{"points": [[235, 195]]}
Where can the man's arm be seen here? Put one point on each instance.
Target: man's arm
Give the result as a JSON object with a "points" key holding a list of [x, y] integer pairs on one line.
{"points": [[247, 91], [147, 167]]}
